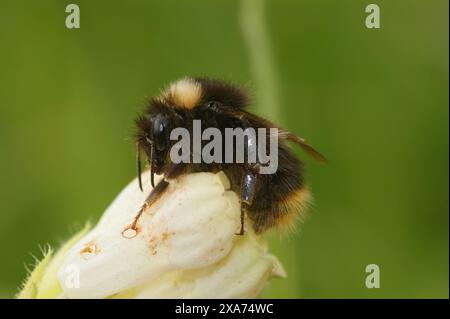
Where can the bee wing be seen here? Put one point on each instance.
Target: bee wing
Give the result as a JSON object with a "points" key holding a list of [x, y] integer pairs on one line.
{"points": [[304, 145]]}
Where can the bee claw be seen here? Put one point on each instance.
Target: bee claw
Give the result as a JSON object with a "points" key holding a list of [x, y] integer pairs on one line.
{"points": [[241, 232]]}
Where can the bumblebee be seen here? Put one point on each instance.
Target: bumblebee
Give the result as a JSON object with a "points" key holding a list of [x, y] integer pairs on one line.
{"points": [[267, 199]]}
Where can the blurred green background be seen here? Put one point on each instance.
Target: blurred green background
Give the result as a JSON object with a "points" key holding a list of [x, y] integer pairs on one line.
{"points": [[375, 102]]}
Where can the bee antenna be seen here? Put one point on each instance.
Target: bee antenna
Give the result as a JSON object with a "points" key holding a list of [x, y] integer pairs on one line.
{"points": [[138, 162], [152, 166]]}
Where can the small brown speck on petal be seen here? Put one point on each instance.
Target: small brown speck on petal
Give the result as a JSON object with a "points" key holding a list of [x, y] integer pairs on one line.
{"points": [[90, 249]]}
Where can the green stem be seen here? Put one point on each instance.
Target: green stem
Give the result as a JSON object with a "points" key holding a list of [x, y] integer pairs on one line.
{"points": [[262, 64]]}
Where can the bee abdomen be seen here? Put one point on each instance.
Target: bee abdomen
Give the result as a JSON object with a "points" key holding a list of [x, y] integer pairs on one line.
{"points": [[282, 212], [282, 197]]}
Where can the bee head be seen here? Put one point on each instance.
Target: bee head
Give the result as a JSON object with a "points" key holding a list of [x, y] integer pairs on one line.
{"points": [[153, 135]]}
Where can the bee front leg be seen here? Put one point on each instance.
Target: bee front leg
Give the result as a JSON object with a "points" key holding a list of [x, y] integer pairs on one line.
{"points": [[154, 195], [248, 190]]}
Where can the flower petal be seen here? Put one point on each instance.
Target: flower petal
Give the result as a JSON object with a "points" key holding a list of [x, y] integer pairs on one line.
{"points": [[241, 274], [191, 226]]}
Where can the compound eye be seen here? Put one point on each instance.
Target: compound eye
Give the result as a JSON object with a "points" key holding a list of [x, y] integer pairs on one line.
{"points": [[159, 133]]}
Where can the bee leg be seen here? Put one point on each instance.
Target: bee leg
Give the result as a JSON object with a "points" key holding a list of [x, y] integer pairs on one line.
{"points": [[154, 195], [249, 180], [248, 190]]}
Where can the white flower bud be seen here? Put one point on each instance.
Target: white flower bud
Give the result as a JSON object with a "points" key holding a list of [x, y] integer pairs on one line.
{"points": [[185, 247]]}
